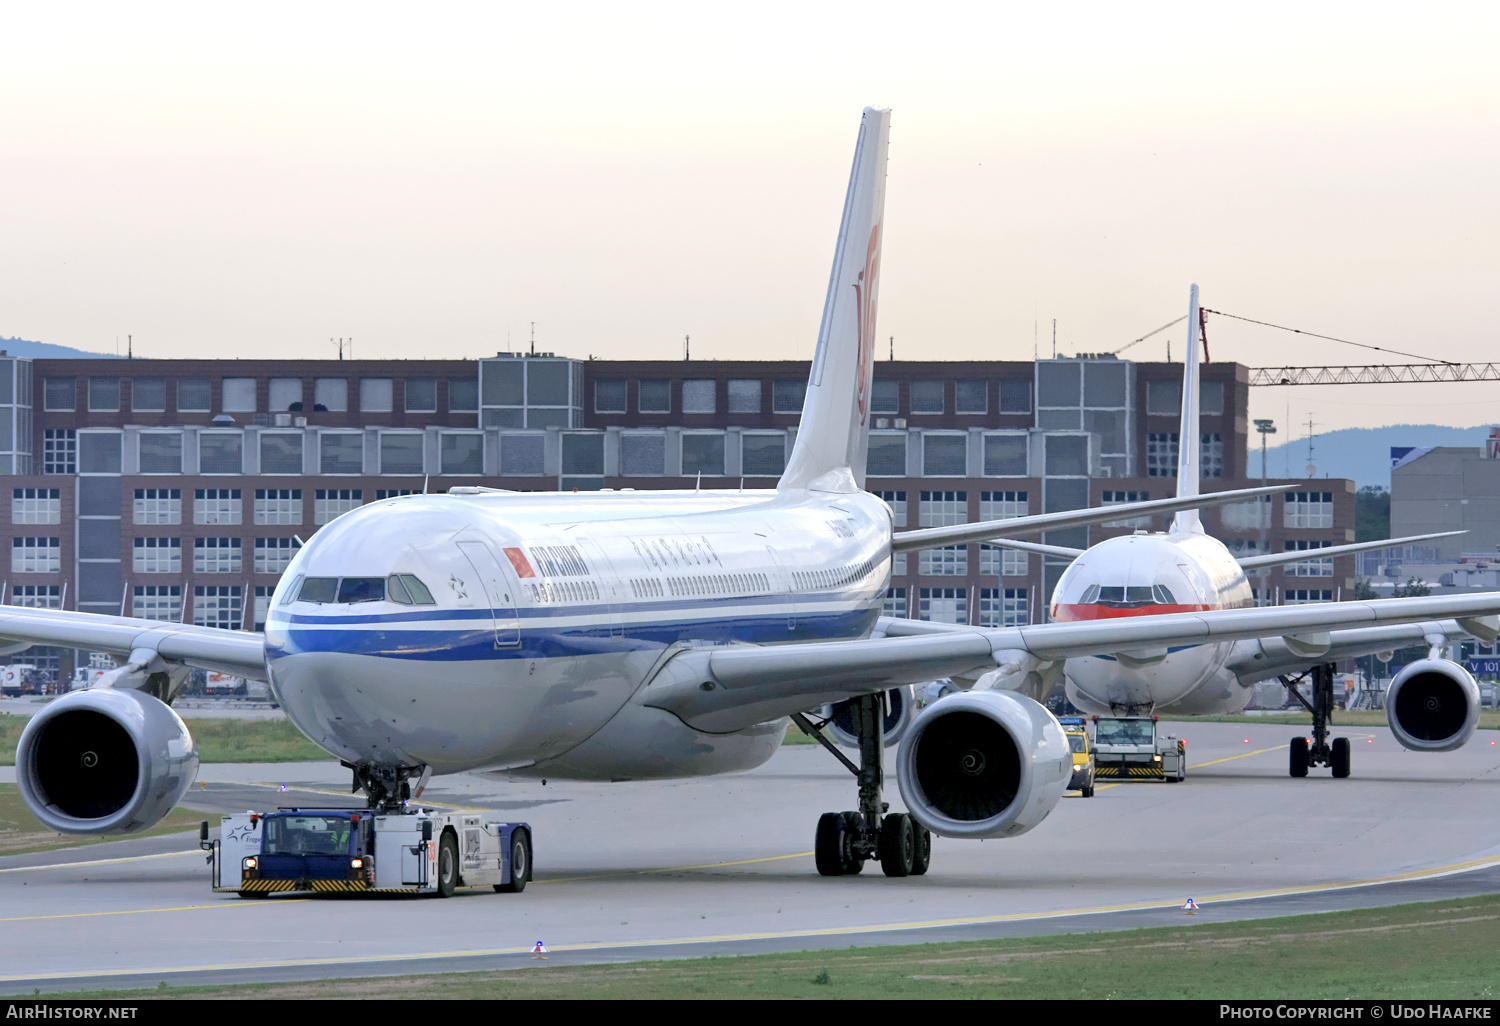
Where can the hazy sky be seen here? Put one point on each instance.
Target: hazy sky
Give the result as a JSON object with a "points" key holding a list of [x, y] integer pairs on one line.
{"points": [[430, 179]]}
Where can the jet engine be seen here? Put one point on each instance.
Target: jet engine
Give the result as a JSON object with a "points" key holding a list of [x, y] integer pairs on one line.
{"points": [[104, 761], [1432, 705], [983, 764], [899, 709]]}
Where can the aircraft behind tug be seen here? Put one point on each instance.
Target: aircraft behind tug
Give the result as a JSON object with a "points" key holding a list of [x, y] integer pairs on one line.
{"points": [[651, 634]]}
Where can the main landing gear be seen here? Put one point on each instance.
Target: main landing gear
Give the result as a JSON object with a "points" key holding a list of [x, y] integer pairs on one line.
{"points": [[388, 788], [847, 840], [1320, 752]]}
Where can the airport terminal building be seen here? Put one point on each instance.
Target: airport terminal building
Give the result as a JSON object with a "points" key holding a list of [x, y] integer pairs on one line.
{"points": [[180, 489]]}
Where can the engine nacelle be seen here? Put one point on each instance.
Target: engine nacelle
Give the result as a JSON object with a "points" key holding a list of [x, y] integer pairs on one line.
{"points": [[104, 761], [1432, 705], [899, 709], [983, 764]]}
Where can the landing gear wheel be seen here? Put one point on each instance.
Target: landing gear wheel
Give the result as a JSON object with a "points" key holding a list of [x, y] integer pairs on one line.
{"points": [[921, 855], [829, 847], [898, 844], [1299, 757], [854, 825], [1339, 757], [447, 866], [520, 863]]}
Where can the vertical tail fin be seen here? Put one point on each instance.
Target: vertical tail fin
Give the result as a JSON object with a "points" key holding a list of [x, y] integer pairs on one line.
{"points": [[1189, 434], [833, 437]]}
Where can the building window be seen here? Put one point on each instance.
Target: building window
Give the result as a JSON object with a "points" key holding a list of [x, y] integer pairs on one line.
{"points": [[36, 506], [104, 395], [1003, 607], [463, 395], [1302, 596], [238, 395], [60, 395], [160, 452], [1006, 455], [787, 395], [1309, 509], [1212, 456], [1001, 561], [1211, 398], [396, 493], [1164, 398], [329, 503], [273, 555], [943, 605], [400, 452], [218, 506], [698, 396], [281, 452], [949, 561], [1015, 396], [219, 605], [895, 603], [461, 452], [1161, 454], [36, 596], [703, 453], [221, 452], [886, 455], [762, 455], [194, 395], [945, 455], [1004, 506], [421, 395], [284, 395], [744, 396], [655, 396], [1252, 515], [157, 506], [609, 396], [331, 395], [341, 452], [885, 396], [376, 395], [522, 455], [643, 454], [926, 397], [157, 602], [278, 505], [943, 509], [583, 454], [972, 396], [35, 555], [59, 451], [897, 502], [148, 395], [1311, 567], [263, 593], [1116, 498], [157, 556], [1067, 455], [217, 556]]}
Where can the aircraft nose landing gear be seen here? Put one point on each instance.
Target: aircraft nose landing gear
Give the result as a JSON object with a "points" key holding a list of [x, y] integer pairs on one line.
{"points": [[1319, 752], [845, 841]]}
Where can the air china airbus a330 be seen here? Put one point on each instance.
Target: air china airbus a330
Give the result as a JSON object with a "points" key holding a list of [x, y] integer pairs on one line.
{"points": [[653, 634]]}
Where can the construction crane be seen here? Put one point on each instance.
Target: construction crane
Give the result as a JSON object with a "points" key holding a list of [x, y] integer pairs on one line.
{"points": [[1376, 374]]}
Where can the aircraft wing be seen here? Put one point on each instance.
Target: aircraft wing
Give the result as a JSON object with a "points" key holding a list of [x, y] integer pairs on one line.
{"points": [[241, 653], [725, 689], [985, 530], [1303, 555], [1265, 658]]}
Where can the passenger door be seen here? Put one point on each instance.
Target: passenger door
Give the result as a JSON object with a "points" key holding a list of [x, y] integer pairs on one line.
{"points": [[499, 588]]}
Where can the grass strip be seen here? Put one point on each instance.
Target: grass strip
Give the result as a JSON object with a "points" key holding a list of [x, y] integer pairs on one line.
{"points": [[1435, 950], [219, 740], [21, 832]]}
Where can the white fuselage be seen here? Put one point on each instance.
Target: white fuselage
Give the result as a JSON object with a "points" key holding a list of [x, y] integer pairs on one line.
{"points": [[1144, 575], [549, 611]]}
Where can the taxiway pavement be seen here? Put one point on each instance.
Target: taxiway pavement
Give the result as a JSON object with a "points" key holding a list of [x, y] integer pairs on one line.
{"points": [[724, 865]]}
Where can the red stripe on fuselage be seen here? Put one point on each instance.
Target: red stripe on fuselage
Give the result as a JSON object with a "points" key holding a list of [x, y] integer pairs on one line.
{"points": [[1070, 613]]}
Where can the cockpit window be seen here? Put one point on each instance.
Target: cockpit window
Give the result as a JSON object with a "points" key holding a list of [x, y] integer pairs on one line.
{"points": [[419, 593], [319, 589], [1128, 597], [291, 593], [362, 589], [1163, 596], [396, 591]]}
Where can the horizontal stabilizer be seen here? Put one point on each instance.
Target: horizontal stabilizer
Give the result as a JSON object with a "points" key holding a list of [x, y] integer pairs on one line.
{"points": [[1303, 555], [988, 530]]}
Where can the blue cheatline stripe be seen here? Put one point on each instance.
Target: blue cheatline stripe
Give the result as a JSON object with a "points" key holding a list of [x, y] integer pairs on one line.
{"points": [[479, 643]]}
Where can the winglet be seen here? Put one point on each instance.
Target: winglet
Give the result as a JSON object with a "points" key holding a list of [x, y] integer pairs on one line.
{"points": [[834, 434]]}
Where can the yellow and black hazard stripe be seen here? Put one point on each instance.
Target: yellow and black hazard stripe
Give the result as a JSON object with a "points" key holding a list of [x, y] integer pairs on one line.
{"points": [[1146, 772], [303, 885]]}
